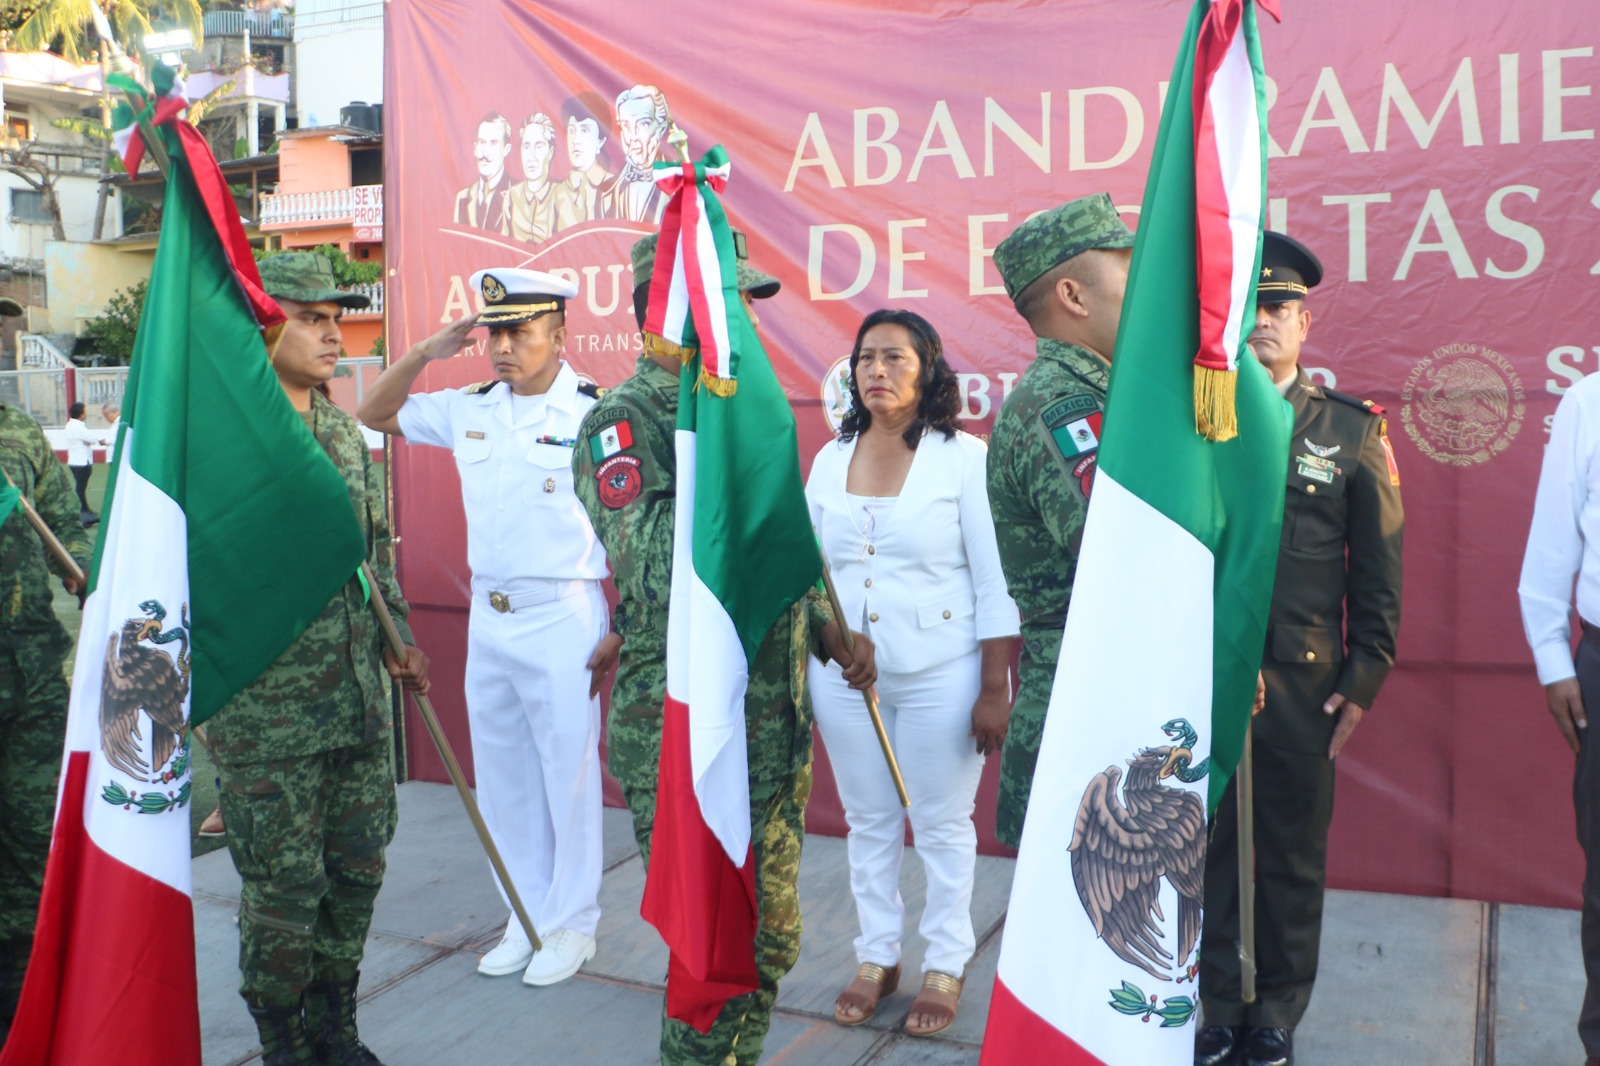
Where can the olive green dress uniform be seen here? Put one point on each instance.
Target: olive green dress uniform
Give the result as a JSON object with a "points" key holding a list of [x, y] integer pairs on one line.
{"points": [[33, 685], [306, 757], [630, 497], [1039, 481], [1332, 628]]}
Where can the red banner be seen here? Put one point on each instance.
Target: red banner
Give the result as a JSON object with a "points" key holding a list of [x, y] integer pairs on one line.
{"points": [[1441, 163]]}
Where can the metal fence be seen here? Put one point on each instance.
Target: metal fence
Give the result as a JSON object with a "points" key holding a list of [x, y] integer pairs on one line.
{"points": [[42, 392]]}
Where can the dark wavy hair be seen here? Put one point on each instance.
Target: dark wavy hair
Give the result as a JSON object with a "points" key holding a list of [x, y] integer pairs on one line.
{"points": [[939, 400]]}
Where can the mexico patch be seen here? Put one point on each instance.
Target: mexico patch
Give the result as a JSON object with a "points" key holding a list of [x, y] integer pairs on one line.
{"points": [[614, 438], [619, 479], [1078, 436], [1069, 408]]}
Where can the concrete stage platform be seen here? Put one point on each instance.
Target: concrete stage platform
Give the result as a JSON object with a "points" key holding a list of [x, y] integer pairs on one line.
{"points": [[1405, 981]]}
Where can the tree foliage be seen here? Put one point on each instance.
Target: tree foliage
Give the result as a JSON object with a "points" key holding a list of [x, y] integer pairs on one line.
{"points": [[113, 330], [67, 26], [346, 271]]}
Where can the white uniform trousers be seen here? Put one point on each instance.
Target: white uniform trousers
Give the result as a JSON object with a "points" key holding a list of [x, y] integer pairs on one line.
{"points": [[928, 716], [536, 744]]}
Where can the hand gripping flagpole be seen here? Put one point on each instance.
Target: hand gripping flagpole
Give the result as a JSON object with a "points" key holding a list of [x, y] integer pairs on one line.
{"points": [[391, 637], [54, 546], [867, 694], [1244, 792]]}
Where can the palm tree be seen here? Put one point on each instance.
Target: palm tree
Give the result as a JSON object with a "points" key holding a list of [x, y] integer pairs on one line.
{"points": [[68, 21]]}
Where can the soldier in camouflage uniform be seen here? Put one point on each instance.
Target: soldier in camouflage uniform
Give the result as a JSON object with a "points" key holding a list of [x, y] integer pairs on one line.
{"points": [[306, 752], [629, 497], [1065, 271], [33, 685]]}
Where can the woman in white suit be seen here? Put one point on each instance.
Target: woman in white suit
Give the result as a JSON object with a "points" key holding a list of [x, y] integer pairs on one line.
{"points": [[903, 515]]}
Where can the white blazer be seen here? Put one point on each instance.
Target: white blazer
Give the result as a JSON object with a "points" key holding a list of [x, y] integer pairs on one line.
{"points": [[931, 588]]}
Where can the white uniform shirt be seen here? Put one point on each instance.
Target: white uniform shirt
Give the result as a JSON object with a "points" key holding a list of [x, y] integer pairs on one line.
{"points": [[1564, 540], [523, 518], [80, 443]]}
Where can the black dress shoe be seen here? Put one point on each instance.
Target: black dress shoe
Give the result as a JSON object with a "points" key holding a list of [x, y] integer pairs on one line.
{"points": [[1268, 1047], [1216, 1045]]}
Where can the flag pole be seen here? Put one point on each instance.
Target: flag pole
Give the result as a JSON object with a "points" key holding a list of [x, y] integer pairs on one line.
{"points": [[870, 696], [56, 548], [391, 637], [1244, 791]]}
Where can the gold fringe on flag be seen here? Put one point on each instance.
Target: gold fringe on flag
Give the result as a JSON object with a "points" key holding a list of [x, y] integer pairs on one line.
{"points": [[1216, 416], [657, 345], [723, 387]]}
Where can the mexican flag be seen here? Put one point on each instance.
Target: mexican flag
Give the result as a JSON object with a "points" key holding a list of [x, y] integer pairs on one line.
{"points": [[743, 553], [9, 495], [225, 531], [1181, 536]]}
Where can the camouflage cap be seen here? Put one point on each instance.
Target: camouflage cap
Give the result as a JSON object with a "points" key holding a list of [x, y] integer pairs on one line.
{"points": [[760, 286], [1054, 236], [306, 277]]}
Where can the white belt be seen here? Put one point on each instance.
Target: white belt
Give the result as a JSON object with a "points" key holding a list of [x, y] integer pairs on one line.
{"points": [[508, 602]]}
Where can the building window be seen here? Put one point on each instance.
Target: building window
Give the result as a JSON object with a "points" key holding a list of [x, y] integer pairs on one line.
{"points": [[27, 205], [19, 127]]}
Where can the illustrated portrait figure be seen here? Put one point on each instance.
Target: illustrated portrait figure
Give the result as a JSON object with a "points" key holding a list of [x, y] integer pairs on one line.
{"points": [[482, 205], [642, 121], [531, 203], [588, 128]]}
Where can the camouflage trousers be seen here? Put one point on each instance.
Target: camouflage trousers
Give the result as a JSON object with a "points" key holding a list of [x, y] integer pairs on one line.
{"points": [[307, 836], [777, 826], [1021, 749], [33, 726]]}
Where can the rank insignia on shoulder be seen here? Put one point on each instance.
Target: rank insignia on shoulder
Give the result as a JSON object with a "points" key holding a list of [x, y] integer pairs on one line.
{"points": [[479, 388], [1388, 452], [610, 440], [1368, 406], [591, 390]]}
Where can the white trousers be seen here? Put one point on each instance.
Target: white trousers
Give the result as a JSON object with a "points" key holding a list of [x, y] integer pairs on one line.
{"points": [[536, 747], [928, 716]]}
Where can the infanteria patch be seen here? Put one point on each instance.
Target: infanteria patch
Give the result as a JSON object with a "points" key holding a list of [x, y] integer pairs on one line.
{"points": [[619, 480], [141, 679], [1084, 472], [1124, 846], [1463, 404]]}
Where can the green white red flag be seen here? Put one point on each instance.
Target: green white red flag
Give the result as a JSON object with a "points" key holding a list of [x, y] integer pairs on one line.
{"points": [[1180, 528], [743, 554], [210, 561]]}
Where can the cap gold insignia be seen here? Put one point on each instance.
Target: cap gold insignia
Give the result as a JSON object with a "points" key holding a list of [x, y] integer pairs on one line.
{"points": [[1266, 272], [493, 291]]}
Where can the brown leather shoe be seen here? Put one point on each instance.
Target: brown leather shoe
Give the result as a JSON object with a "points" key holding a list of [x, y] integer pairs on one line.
{"points": [[212, 826]]}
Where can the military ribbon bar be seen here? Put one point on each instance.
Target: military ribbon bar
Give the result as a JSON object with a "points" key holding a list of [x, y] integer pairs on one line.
{"points": [[693, 289]]}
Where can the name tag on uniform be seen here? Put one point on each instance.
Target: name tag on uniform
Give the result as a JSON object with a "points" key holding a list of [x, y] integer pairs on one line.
{"points": [[473, 434], [1316, 468]]}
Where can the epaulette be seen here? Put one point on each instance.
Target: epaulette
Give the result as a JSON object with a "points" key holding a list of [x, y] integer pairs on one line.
{"points": [[591, 390], [1374, 409], [479, 388]]}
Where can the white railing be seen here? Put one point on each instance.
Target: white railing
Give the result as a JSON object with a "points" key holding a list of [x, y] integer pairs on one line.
{"points": [[373, 292], [327, 206], [37, 353], [98, 385], [259, 23]]}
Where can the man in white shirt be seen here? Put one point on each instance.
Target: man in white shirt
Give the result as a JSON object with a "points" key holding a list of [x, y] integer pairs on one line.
{"points": [[535, 657], [81, 442], [1563, 548]]}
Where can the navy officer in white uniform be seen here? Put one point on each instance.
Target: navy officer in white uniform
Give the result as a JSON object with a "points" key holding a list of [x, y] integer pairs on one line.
{"points": [[536, 652]]}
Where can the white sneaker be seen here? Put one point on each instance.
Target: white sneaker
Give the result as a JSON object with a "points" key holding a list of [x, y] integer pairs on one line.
{"points": [[564, 951], [510, 955]]}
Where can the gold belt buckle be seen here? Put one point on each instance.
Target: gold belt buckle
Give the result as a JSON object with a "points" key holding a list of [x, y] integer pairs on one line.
{"points": [[500, 602]]}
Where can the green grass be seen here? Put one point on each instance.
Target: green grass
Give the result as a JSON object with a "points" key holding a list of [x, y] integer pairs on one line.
{"points": [[203, 794]]}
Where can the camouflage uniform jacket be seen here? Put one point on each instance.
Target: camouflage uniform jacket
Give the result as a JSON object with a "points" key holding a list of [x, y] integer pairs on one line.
{"points": [[1041, 466], [630, 497], [329, 689], [26, 614]]}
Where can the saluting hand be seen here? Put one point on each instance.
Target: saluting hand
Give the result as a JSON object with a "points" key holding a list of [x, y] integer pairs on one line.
{"points": [[413, 673], [603, 661], [448, 341], [1565, 701], [1349, 713], [859, 666]]}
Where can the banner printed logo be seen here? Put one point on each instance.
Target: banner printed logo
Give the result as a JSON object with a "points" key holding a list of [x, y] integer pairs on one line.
{"points": [[836, 394], [1463, 404]]}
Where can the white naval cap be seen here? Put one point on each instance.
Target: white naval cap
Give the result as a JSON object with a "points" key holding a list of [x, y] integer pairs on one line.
{"points": [[511, 295]]}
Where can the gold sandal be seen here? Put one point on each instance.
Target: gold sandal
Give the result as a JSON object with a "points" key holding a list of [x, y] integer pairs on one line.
{"points": [[940, 985], [886, 978]]}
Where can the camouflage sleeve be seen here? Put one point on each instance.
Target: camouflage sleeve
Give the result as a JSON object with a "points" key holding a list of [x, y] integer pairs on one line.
{"points": [[1375, 529], [1055, 467], [380, 547], [819, 612], [627, 490], [57, 503]]}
